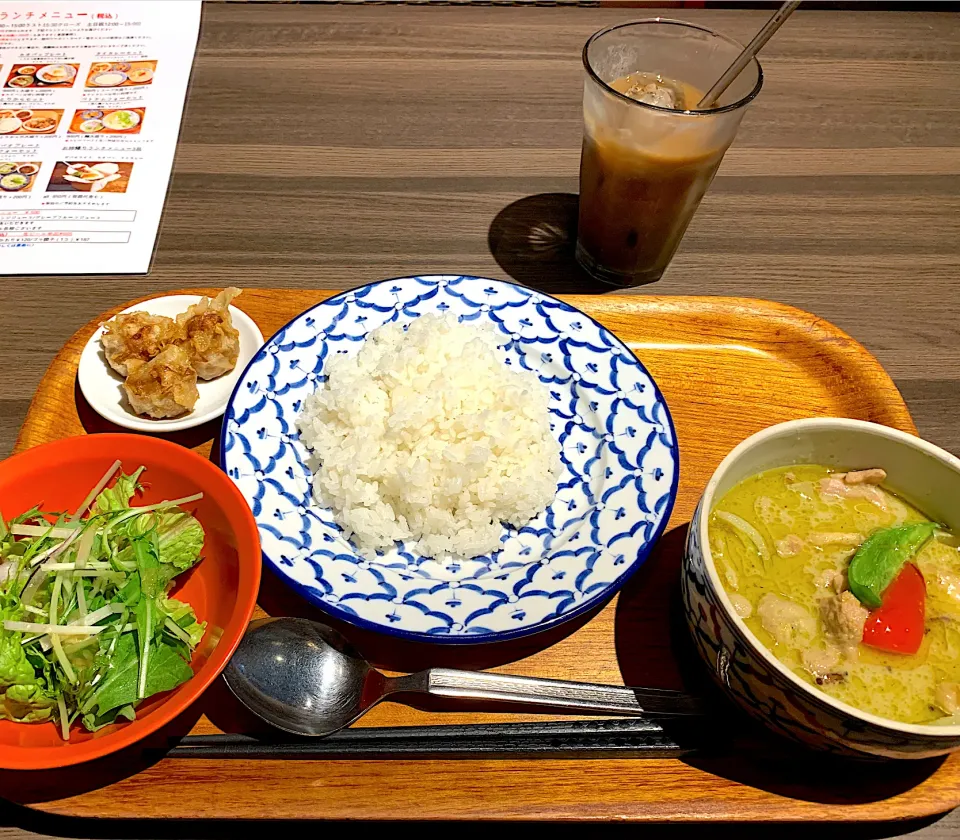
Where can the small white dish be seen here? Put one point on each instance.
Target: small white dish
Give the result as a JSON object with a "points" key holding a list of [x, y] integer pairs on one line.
{"points": [[44, 72], [102, 386], [111, 120], [109, 78], [145, 75]]}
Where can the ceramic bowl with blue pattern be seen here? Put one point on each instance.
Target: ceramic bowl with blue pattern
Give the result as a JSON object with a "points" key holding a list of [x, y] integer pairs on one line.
{"points": [[924, 474], [618, 447]]}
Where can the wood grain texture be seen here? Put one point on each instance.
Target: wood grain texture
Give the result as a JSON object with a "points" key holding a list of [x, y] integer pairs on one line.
{"points": [[403, 138], [463, 138], [727, 367]]}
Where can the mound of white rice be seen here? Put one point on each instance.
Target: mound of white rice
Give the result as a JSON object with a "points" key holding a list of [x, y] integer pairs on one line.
{"points": [[427, 435]]}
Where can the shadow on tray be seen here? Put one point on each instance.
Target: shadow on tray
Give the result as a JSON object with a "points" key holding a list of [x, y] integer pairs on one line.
{"points": [[654, 648], [388, 654], [394, 654], [94, 424], [533, 240]]}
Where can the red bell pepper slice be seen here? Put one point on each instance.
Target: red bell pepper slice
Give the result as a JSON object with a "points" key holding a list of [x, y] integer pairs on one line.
{"points": [[898, 624]]}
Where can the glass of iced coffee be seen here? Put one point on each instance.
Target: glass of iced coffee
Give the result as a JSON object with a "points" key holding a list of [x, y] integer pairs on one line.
{"points": [[648, 153]]}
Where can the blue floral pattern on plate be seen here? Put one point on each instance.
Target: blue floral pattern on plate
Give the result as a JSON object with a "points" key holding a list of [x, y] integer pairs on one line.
{"points": [[618, 448]]}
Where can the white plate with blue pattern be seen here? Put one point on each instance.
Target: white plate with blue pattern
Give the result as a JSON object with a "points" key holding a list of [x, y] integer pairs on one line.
{"points": [[613, 500]]}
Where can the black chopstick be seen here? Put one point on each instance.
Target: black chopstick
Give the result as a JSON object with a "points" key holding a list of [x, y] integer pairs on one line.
{"points": [[632, 738]]}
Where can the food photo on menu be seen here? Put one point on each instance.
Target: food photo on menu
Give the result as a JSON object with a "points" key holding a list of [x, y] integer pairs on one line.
{"points": [[18, 176], [107, 74], [90, 176], [107, 121], [29, 120], [42, 75]]}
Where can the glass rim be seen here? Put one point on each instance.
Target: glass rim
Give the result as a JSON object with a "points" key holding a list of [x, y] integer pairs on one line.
{"points": [[693, 112]]}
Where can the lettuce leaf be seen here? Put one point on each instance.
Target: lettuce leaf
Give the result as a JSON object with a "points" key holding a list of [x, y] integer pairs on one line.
{"points": [[185, 618], [14, 668], [23, 694], [165, 671], [181, 540], [120, 495], [27, 704]]}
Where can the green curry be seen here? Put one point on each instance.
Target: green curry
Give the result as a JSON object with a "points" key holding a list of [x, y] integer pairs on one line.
{"points": [[840, 580]]}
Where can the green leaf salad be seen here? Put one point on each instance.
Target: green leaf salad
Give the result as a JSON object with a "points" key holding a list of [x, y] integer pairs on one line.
{"points": [[88, 627]]}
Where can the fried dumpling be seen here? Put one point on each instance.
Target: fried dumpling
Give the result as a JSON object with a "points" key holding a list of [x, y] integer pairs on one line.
{"points": [[209, 335], [136, 336], [166, 386]]}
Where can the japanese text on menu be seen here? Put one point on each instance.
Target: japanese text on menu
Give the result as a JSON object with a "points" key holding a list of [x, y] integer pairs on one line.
{"points": [[91, 98]]}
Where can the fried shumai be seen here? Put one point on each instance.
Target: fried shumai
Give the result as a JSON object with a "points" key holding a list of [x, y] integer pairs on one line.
{"points": [[162, 358], [166, 386], [136, 336], [209, 335]]}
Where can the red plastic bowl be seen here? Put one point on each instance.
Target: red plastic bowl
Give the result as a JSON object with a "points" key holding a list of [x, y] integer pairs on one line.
{"points": [[222, 588]]}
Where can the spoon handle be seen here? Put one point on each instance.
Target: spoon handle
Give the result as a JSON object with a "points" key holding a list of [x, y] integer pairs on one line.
{"points": [[587, 697]]}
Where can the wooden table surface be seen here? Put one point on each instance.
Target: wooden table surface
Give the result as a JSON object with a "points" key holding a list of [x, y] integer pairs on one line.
{"points": [[327, 146]]}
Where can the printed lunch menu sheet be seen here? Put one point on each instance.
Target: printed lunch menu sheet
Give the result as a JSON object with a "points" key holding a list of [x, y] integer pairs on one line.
{"points": [[91, 97]]}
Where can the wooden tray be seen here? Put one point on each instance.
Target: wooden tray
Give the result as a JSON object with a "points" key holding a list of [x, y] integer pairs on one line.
{"points": [[727, 367]]}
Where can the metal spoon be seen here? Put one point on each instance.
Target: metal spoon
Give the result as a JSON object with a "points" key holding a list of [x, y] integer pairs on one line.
{"points": [[303, 677]]}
